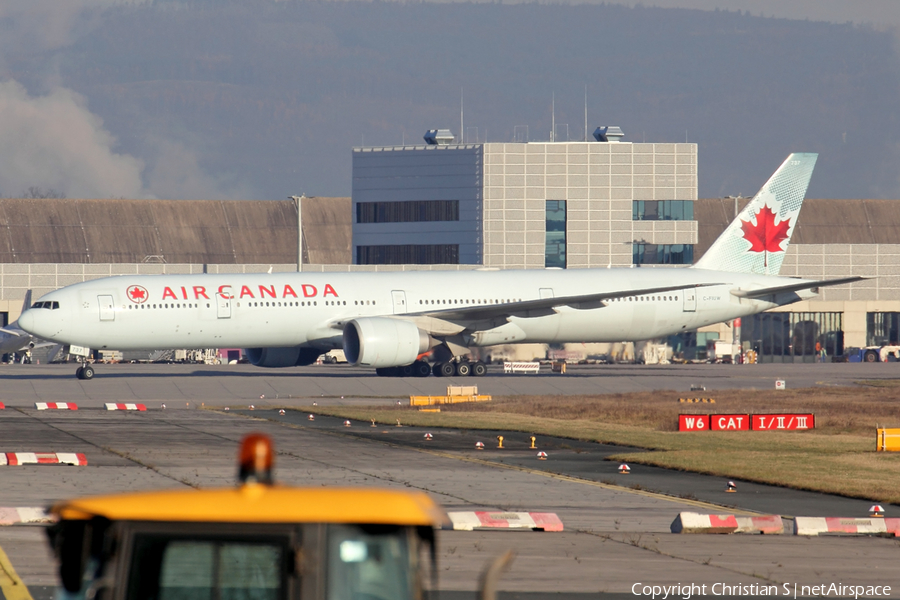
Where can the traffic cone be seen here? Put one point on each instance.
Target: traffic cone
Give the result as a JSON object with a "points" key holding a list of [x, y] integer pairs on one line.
{"points": [[876, 511], [428, 437], [479, 446], [731, 487], [624, 469], [542, 456]]}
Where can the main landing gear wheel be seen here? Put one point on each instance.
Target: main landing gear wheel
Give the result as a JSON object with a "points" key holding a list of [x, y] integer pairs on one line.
{"points": [[479, 369], [463, 369], [421, 368], [86, 372], [443, 369]]}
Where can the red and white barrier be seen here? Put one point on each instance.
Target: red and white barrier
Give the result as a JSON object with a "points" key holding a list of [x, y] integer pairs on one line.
{"points": [[689, 522], [56, 406], [13, 459], [15, 515], [468, 521], [125, 406], [766, 524], [521, 367], [864, 526]]}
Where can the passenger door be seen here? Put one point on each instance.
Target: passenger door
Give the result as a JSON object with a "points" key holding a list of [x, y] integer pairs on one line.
{"points": [[223, 306], [107, 312], [399, 299], [690, 300]]}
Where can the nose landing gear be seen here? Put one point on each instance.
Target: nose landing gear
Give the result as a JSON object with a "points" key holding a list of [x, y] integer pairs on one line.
{"points": [[85, 371]]}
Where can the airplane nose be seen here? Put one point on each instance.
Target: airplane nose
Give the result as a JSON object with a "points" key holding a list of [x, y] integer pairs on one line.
{"points": [[26, 321]]}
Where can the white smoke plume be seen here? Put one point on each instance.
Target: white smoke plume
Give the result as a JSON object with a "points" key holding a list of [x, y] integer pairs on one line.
{"points": [[54, 141]]}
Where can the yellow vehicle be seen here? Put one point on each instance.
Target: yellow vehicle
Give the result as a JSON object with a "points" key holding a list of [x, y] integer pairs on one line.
{"points": [[257, 541]]}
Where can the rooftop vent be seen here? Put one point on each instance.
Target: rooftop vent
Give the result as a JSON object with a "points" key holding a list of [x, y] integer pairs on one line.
{"points": [[438, 137], [610, 133]]}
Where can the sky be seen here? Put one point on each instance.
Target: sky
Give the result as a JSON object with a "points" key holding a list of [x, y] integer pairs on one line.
{"points": [[83, 145], [878, 13]]}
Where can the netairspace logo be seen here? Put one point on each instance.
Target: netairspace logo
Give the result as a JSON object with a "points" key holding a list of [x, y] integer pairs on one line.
{"points": [[686, 591]]}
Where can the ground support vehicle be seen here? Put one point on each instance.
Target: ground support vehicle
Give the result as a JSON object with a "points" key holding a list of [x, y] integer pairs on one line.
{"points": [[254, 541]]}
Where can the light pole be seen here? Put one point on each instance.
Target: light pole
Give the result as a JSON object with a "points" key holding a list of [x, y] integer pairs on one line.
{"points": [[298, 200]]}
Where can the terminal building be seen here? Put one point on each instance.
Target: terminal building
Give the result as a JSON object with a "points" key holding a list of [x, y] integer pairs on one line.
{"points": [[442, 205], [525, 205]]}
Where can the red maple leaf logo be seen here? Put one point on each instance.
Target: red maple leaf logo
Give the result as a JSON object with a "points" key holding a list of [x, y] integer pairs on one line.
{"points": [[766, 235], [137, 294]]}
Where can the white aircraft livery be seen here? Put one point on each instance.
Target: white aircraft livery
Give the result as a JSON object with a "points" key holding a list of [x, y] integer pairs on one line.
{"points": [[389, 320]]}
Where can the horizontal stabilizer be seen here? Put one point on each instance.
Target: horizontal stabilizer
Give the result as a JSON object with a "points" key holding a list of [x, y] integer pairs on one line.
{"points": [[793, 287]]}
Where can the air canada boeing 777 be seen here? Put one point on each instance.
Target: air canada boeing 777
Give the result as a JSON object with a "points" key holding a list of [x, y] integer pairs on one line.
{"points": [[389, 320]]}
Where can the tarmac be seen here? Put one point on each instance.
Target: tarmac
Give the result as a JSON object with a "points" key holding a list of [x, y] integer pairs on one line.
{"points": [[220, 385], [615, 535]]}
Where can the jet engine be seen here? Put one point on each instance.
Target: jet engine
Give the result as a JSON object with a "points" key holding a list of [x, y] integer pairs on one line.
{"points": [[295, 356], [383, 342]]}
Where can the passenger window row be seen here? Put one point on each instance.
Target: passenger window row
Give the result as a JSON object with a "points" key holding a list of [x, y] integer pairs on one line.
{"points": [[645, 299], [470, 301]]}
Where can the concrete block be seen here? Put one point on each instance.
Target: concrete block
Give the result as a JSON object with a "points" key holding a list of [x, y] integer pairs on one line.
{"points": [[688, 522]]}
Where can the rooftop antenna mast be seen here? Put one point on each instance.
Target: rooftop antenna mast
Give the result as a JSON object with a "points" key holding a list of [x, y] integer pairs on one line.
{"points": [[585, 112], [462, 129], [553, 118]]}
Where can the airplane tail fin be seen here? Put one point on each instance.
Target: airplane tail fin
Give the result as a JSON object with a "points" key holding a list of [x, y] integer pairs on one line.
{"points": [[757, 240], [26, 304]]}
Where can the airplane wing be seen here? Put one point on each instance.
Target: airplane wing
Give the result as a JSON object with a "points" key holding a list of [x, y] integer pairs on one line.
{"points": [[793, 287], [541, 307], [450, 321]]}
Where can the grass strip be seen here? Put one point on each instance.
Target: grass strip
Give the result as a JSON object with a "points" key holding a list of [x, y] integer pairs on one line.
{"points": [[837, 458]]}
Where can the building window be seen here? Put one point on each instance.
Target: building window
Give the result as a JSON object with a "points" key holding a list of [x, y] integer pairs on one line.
{"points": [[555, 247], [662, 210], [793, 337], [882, 328], [663, 254], [407, 212], [408, 254]]}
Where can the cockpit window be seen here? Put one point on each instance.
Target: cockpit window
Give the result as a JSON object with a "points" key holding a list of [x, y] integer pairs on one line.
{"points": [[46, 304]]}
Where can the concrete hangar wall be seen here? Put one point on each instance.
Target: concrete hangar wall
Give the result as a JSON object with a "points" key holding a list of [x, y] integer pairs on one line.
{"points": [[46, 244]]}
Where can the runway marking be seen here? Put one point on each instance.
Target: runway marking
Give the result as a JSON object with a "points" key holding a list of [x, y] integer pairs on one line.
{"points": [[12, 585]]}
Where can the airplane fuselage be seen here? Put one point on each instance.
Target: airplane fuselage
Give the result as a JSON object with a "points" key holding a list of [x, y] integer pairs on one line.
{"points": [[308, 309]]}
